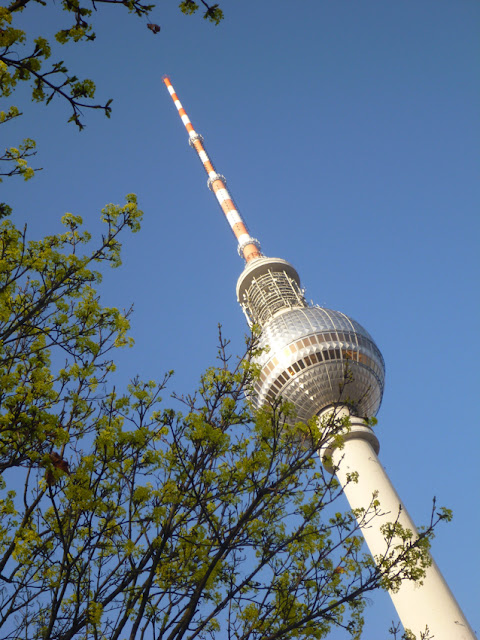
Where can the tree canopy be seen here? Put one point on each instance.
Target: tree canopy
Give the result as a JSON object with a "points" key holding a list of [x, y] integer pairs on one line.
{"points": [[121, 516], [131, 519]]}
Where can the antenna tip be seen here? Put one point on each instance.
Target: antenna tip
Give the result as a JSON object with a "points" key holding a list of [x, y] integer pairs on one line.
{"points": [[166, 80]]}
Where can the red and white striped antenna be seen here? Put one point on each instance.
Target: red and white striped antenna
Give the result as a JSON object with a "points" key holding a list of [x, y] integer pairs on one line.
{"points": [[248, 247]]}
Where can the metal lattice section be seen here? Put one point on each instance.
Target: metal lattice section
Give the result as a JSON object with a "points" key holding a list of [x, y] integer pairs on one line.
{"points": [[268, 287], [270, 293]]}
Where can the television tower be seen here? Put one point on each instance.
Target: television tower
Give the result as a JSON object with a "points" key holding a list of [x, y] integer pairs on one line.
{"points": [[309, 349]]}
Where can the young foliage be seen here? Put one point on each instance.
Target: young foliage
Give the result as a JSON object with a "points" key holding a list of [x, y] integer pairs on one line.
{"points": [[48, 301], [25, 57], [123, 518]]}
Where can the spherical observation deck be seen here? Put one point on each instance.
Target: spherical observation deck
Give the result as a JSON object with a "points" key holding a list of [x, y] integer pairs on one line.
{"points": [[314, 357]]}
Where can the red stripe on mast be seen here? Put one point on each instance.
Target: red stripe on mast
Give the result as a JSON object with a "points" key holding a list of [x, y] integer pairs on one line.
{"points": [[248, 247]]}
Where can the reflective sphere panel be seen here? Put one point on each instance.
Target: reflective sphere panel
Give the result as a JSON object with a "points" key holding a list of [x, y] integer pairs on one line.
{"points": [[316, 358]]}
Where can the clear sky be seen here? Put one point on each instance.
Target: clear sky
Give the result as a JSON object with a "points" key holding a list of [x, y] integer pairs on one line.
{"points": [[349, 134]]}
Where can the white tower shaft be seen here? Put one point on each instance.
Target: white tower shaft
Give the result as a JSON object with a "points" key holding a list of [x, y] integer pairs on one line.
{"points": [[430, 606]]}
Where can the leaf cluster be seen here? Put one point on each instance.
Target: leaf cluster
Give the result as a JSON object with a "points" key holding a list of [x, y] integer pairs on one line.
{"points": [[138, 521], [55, 80], [25, 57], [48, 301], [212, 13], [120, 517]]}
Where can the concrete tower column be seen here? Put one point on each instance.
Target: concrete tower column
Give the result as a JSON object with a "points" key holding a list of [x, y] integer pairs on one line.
{"points": [[431, 604]]}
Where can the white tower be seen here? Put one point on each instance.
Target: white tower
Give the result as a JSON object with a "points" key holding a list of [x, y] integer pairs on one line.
{"points": [[310, 349]]}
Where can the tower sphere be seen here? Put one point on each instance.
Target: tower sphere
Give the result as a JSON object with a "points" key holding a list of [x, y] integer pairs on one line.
{"points": [[314, 357]]}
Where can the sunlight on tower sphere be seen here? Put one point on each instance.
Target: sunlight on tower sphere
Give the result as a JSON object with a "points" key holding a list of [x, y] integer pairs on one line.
{"points": [[314, 357]]}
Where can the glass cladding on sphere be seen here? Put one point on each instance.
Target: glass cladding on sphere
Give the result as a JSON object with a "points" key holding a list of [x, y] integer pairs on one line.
{"points": [[313, 357], [317, 358]]}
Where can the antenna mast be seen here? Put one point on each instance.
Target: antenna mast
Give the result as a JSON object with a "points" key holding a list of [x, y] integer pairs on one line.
{"points": [[248, 247]]}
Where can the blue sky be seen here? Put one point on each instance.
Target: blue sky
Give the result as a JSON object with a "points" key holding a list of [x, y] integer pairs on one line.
{"points": [[349, 135]]}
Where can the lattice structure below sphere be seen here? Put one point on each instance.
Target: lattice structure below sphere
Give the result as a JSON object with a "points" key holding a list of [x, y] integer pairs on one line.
{"points": [[267, 287]]}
